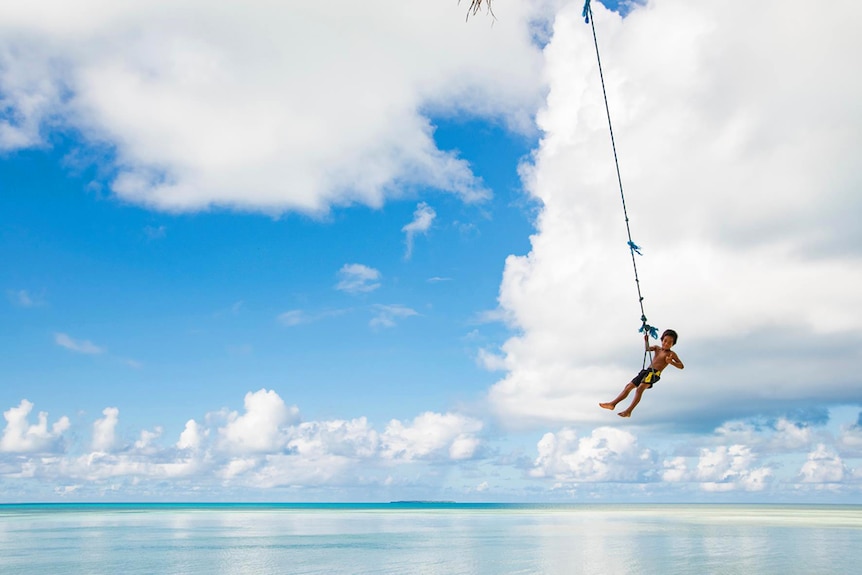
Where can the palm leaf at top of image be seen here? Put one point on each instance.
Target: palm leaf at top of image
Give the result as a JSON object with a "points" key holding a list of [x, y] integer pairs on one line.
{"points": [[476, 5]]}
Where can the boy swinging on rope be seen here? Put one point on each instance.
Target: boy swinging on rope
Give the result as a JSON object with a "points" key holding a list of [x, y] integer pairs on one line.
{"points": [[647, 377]]}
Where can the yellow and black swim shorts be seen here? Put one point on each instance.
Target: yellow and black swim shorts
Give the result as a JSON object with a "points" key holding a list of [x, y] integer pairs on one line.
{"points": [[647, 376]]}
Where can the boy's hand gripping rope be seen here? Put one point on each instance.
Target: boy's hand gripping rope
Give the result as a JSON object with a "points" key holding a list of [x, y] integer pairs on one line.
{"points": [[646, 328]]}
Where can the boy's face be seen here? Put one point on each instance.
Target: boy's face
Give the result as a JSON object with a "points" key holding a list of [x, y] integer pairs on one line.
{"points": [[667, 342]]}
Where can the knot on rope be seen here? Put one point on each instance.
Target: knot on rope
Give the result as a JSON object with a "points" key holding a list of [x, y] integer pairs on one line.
{"points": [[635, 248], [586, 12], [647, 329]]}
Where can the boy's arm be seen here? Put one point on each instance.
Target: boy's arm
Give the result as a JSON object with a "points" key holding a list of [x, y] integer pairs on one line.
{"points": [[675, 361]]}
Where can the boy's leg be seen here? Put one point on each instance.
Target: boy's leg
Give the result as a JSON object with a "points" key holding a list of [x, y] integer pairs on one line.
{"points": [[623, 394], [628, 411]]}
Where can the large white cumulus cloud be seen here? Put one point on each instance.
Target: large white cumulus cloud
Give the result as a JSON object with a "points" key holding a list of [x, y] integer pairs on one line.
{"points": [[260, 105], [738, 128]]}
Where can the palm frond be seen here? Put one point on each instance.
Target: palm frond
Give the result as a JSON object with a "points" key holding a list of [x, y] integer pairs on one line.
{"points": [[476, 5]]}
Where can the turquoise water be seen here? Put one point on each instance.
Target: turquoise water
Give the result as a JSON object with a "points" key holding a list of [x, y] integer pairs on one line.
{"points": [[428, 539]]}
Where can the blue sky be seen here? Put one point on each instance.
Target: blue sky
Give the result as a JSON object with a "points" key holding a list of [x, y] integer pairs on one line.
{"points": [[197, 298], [294, 256]]}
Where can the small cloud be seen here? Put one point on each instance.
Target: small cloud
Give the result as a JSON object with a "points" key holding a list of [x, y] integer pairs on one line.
{"points": [[23, 298], [472, 335], [387, 314], [154, 232], [357, 278], [422, 219], [232, 310], [482, 487], [80, 346], [296, 317], [133, 363], [436, 279], [467, 229], [293, 317], [491, 361], [498, 315]]}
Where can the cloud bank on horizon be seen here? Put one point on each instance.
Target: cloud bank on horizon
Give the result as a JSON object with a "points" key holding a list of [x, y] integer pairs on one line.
{"points": [[268, 446], [737, 142]]}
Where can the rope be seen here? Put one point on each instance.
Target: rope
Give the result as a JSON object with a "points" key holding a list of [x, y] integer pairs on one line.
{"points": [[633, 247]]}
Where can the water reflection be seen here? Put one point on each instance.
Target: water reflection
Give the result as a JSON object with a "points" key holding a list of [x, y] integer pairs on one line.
{"points": [[667, 540]]}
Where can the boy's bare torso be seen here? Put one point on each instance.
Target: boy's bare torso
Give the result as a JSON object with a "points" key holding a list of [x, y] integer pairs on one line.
{"points": [[662, 358]]}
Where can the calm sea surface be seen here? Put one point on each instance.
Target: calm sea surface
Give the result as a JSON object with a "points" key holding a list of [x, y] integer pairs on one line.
{"points": [[428, 539]]}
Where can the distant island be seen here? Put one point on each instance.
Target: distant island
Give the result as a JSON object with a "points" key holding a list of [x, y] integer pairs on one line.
{"points": [[421, 502]]}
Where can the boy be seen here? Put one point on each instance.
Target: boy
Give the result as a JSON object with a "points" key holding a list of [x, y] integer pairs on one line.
{"points": [[647, 377]]}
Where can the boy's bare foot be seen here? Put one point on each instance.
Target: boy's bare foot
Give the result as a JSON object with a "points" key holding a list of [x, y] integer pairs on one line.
{"points": [[625, 414], [607, 405]]}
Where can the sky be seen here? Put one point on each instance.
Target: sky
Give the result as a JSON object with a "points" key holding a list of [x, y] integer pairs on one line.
{"points": [[256, 251]]}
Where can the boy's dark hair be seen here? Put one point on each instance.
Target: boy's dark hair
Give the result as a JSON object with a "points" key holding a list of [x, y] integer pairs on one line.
{"points": [[671, 333]]}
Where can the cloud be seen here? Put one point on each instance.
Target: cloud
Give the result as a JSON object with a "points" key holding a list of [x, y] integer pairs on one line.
{"points": [[357, 278], [155, 232], [823, 466], [490, 360], [354, 438], [192, 436], [850, 438], [607, 454], [77, 345], [23, 298], [266, 445], [145, 441], [423, 217], [293, 317], [724, 468], [265, 107], [386, 315], [739, 457], [260, 428], [432, 435], [19, 436], [727, 468], [232, 311], [740, 203], [297, 317], [104, 430], [778, 436]]}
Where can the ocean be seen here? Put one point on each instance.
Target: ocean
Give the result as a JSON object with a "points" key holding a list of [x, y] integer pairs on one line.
{"points": [[428, 538]]}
